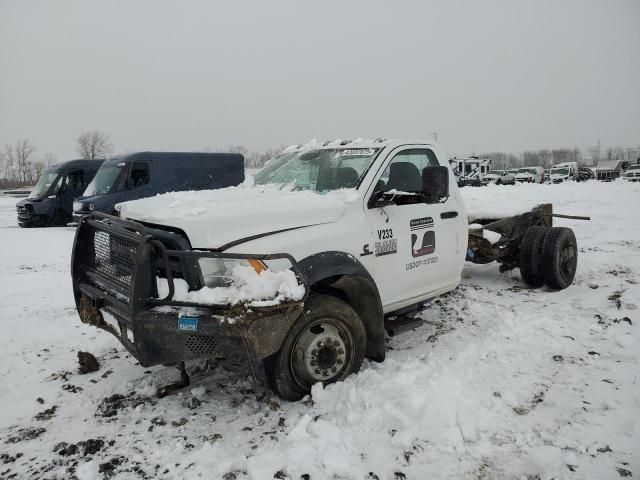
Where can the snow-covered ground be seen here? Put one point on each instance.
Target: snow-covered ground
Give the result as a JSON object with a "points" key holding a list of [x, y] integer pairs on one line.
{"points": [[500, 381]]}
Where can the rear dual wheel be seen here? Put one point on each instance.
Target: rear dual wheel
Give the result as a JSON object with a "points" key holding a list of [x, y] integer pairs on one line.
{"points": [[325, 344], [549, 256]]}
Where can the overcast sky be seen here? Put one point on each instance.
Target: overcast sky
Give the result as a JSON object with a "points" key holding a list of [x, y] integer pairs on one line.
{"points": [[492, 75]]}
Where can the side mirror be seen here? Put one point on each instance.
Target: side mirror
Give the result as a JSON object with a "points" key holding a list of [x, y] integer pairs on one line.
{"points": [[435, 182]]}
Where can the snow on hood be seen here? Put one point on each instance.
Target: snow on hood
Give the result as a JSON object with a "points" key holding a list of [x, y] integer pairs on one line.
{"points": [[213, 218]]}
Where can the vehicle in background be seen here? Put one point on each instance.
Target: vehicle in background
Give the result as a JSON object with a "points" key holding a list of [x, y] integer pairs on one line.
{"points": [[50, 203], [530, 175], [585, 173], [470, 171], [563, 172], [500, 177], [632, 174], [145, 174]]}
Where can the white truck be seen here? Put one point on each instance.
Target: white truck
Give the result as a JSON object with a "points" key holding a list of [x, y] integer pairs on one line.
{"points": [[500, 177], [563, 172], [632, 174], [304, 270], [530, 175]]}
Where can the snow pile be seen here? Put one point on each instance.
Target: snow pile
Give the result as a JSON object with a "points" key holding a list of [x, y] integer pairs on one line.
{"points": [[493, 237], [256, 289]]}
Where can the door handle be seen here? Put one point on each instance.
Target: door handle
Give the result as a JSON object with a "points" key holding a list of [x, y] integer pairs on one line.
{"points": [[445, 215]]}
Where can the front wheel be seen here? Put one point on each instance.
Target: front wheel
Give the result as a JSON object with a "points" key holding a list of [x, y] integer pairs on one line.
{"points": [[59, 219], [325, 344]]}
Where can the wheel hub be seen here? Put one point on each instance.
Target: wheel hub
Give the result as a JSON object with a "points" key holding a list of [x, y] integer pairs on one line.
{"points": [[323, 352]]}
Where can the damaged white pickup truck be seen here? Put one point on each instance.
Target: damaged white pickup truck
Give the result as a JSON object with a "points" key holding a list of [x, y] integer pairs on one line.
{"points": [[303, 269]]}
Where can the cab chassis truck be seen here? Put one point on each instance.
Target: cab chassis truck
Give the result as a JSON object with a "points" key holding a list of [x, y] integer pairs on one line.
{"points": [[344, 312]]}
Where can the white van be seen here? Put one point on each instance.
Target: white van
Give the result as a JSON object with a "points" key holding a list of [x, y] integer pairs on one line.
{"points": [[530, 175], [564, 172]]}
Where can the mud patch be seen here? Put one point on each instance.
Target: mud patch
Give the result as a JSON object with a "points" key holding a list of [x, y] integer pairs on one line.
{"points": [[537, 399], [47, 414], [88, 363], [23, 434], [110, 406], [84, 448]]}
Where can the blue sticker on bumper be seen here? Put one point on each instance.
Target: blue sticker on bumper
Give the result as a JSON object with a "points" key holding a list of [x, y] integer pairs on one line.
{"points": [[189, 324]]}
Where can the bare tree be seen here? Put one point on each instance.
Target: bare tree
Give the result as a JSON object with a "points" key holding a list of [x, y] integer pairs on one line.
{"points": [[18, 161], [594, 154], [39, 166], [93, 145]]}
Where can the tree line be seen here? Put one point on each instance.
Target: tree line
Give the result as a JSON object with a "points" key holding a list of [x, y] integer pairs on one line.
{"points": [[21, 166], [548, 157]]}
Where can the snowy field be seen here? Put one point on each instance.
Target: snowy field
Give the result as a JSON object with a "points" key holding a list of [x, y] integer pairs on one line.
{"points": [[499, 381]]}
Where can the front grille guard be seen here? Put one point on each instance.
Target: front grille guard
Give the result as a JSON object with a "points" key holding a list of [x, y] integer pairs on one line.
{"points": [[141, 281]]}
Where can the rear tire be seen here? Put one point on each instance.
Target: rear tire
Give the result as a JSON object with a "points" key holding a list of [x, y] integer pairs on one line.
{"points": [[325, 344], [58, 219], [559, 257], [531, 266]]}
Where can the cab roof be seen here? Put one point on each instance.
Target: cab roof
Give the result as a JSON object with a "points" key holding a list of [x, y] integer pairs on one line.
{"points": [[172, 156], [357, 143], [75, 163]]}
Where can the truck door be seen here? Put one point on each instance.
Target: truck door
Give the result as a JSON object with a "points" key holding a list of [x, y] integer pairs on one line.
{"points": [[415, 245], [71, 188], [137, 184]]}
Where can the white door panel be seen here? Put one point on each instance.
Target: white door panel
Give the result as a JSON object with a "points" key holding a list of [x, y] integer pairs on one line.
{"points": [[416, 246]]}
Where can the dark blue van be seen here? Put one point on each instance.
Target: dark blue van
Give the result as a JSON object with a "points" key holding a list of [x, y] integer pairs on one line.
{"points": [[145, 174], [51, 200]]}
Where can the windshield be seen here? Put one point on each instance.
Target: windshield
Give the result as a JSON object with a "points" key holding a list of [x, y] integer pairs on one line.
{"points": [[559, 171], [318, 170], [513, 171], [527, 170], [109, 179], [47, 180], [634, 167], [495, 172]]}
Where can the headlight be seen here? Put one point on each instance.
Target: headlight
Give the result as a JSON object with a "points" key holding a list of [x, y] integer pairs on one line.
{"points": [[218, 272], [78, 206], [91, 207]]}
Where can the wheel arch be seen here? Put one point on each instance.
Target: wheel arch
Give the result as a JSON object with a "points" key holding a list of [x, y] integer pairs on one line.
{"points": [[341, 275]]}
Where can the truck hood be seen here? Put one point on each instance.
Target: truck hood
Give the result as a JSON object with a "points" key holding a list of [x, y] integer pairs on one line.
{"points": [[214, 218]]}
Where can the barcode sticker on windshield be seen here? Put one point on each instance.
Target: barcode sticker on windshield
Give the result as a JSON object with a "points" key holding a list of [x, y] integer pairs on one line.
{"points": [[358, 152]]}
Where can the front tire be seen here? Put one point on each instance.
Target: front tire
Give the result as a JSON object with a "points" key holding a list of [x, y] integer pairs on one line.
{"points": [[325, 344], [58, 219]]}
